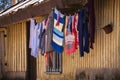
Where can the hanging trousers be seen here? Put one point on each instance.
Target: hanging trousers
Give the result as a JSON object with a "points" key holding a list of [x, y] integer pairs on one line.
{"points": [[83, 34]]}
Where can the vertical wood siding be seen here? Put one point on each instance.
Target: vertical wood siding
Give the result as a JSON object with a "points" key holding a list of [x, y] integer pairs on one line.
{"points": [[16, 47], [106, 52]]}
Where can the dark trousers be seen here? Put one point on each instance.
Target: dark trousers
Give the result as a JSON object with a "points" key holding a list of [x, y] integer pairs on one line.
{"points": [[83, 35]]}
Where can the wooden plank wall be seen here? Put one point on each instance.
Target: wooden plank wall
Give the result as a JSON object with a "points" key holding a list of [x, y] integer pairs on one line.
{"points": [[104, 55], [16, 47], [106, 52]]}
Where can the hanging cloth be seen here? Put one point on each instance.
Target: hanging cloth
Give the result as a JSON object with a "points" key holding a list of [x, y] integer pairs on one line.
{"points": [[42, 37], [34, 41], [49, 59], [48, 33], [69, 36], [58, 34], [74, 29], [32, 25], [91, 22], [83, 31]]}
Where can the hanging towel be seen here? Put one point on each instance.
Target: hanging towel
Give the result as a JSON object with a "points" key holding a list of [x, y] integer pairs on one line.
{"points": [[58, 35]]}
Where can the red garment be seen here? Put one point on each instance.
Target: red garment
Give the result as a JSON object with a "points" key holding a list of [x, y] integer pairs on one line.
{"points": [[74, 29], [48, 59], [71, 39]]}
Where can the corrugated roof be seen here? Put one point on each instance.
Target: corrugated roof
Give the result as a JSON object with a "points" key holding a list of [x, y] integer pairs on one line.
{"points": [[19, 6], [28, 9]]}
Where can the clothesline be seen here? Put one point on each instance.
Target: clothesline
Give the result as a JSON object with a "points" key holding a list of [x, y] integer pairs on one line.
{"points": [[60, 32]]}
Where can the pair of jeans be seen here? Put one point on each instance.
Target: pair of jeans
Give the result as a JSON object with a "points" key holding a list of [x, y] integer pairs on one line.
{"points": [[83, 34]]}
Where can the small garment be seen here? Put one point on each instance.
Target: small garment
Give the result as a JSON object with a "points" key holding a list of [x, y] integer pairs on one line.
{"points": [[49, 59], [34, 41], [58, 34], [83, 31]]}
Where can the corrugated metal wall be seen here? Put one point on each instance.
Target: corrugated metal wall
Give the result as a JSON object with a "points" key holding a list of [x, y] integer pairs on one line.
{"points": [[16, 47], [106, 52]]}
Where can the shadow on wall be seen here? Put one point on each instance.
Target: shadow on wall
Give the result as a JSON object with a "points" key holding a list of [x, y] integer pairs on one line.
{"points": [[14, 76], [119, 44], [12, 79], [98, 74]]}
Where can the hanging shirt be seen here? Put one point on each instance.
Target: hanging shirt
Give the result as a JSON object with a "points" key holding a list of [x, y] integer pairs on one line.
{"points": [[32, 25], [35, 40], [58, 34]]}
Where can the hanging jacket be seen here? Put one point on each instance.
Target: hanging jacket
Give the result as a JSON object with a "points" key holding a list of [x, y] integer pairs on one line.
{"points": [[34, 39]]}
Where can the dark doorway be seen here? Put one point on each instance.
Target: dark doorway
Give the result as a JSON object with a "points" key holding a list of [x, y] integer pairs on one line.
{"points": [[31, 61]]}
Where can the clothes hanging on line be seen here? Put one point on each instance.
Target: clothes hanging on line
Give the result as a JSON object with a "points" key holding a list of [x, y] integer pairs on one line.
{"points": [[83, 31], [71, 40], [74, 29], [49, 33], [58, 34], [42, 37], [51, 37], [32, 24], [91, 13], [46, 34], [34, 41]]}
